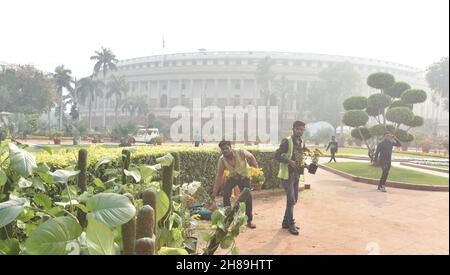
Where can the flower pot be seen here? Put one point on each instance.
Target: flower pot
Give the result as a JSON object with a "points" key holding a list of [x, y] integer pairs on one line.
{"points": [[57, 141], [425, 150], [257, 185], [312, 168], [404, 148]]}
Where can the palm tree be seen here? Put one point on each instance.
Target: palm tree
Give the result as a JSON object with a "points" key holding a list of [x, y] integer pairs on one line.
{"points": [[89, 89], [117, 87], [135, 105], [63, 79], [106, 61], [264, 75]]}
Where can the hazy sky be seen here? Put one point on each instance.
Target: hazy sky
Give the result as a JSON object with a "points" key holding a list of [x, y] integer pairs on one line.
{"points": [[47, 33]]}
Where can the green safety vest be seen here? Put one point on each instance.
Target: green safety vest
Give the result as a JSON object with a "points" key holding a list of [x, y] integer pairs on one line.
{"points": [[283, 172], [240, 168]]}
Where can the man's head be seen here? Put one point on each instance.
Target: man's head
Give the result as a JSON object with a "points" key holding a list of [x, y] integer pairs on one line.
{"points": [[225, 147], [298, 128], [388, 136]]}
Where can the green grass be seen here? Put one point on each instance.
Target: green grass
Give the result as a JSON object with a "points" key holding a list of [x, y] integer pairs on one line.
{"points": [[396, 174], [363, 152]]}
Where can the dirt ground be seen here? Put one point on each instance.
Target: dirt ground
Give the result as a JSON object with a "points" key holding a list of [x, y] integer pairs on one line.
{"points": [[338, 216]]}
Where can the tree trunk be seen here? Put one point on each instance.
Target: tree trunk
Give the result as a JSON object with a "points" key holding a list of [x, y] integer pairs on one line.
{"points": [[90, 113], [60, 110]]}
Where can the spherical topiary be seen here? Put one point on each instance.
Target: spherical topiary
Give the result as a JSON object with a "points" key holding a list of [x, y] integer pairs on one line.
{"points": [[403, 136], [401, 115], [399, 103], [355, 118], [355, 103], [397, 89], [390, 128], [380, 80], [379, 130], [364, 131], [413, 96], [379, 101], [416, 122], [372, 111]]}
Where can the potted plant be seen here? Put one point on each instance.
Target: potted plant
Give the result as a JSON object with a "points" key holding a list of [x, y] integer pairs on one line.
{"points": [[312, 168], [256, 177], [56, 136], [158, 140]]}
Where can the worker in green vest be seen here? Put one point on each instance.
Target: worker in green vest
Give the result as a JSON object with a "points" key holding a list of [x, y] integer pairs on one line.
{"points": [[236, 162], [290, 154]]}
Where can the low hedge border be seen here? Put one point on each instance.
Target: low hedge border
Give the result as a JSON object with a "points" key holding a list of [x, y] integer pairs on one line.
{"points": [[395, 184]]}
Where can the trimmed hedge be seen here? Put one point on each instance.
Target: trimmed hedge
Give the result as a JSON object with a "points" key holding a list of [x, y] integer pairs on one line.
{"points": [[198, 164]]}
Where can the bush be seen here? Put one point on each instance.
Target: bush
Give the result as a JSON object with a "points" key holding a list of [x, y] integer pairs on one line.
{"points": [[365, 133], [416, 122], [379, 130], [195, 164], [380, 80], [379, 101], [123, 130], [397, 89], [399, 103], [413, 96], [401, 115], [372, 111], [355, 103], [404, 136], [355, 118]]}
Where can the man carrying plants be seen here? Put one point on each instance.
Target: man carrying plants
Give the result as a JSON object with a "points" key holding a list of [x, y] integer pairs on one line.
{"points": [[291, 158], [383, 156], [236, 162]]}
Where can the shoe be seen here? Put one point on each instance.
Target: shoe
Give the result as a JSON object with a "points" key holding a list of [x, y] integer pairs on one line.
{"points": [[379, 187], [286, 226], [251, 225], [293, 230], [383, 189]]}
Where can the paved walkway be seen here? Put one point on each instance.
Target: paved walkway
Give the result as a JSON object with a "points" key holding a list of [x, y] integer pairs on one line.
{"points": [[338, 216]]}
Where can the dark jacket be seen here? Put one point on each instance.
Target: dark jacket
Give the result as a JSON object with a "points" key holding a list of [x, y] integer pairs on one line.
{"points": [[333, 145], [383, 154], [284, 147]]}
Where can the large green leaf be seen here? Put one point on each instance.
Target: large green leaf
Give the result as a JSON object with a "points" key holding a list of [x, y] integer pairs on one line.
{"points": [[52, 237], [3, 178], [45, 148], [147, 171], [172, 251], [111, 209], [100, 239], [43, 201], [21, 161], [133, 173], [103, 160], [24, 183], [9, 247], [9, 210], [38, 184], [165, 160], [162, 205], [62, 176]]}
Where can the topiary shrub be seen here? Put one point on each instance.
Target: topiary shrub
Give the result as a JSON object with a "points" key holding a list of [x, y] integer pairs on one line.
{"points": [[380, 80], [413, 96], [355, 103]]}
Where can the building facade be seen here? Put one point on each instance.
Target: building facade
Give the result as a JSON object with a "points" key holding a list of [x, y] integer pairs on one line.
{"points": [[230, 78]]}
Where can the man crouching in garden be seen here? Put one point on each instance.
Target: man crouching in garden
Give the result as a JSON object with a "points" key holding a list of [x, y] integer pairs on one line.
{"points": [[236, 162], [290, 155]]}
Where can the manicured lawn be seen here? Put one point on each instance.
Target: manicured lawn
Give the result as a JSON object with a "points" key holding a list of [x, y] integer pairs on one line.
{"points": [[363, 152], [396, 174]]}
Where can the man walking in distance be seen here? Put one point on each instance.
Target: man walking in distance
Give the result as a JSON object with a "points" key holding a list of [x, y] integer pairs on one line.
{"points": [[289, 172], [383, 156], [236, 162], [333, 146], [197, 139]]}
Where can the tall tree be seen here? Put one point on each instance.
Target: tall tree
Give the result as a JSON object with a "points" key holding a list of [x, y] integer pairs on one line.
{"points": [[88, 91], [24, 89], [136, 105], [118, 89], [63, 80], [264, 76], [438, 80], [105, 61]]}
